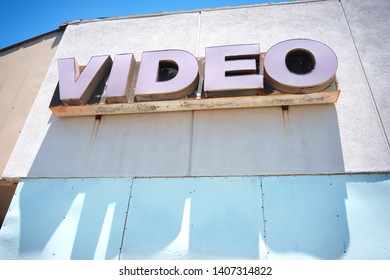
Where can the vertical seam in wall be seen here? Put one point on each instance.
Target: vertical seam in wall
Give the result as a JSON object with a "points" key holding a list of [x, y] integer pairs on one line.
{"points": [[189, 172], [127, 214], [264, 219], [198, 35], [366, 78]]}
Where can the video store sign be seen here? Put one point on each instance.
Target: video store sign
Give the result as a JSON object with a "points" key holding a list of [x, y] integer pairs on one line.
{"points": [[292, 72]]}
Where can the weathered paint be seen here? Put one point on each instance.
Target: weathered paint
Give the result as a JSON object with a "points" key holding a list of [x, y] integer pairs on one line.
{"points": [[288, 217], [66, 219], [329, 96], [327, 217], [195, 218]]}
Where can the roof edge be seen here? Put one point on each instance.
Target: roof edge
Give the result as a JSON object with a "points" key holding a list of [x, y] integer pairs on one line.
{"points": [[195, 11], [61, 27]]}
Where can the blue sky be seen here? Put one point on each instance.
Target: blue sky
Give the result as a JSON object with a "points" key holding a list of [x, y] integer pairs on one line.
{"points": [[24, 19]]}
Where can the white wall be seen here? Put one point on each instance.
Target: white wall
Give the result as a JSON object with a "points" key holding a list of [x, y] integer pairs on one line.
{"points": [[346, 137]]}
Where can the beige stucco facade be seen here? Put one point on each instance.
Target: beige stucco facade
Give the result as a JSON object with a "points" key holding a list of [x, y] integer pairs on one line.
{"points": [[22, 70]]}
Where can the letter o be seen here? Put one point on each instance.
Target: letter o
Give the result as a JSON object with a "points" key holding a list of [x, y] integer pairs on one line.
{"points": [[319, 75]]}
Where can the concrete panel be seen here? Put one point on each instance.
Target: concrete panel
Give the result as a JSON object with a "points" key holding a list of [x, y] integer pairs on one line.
{"points": [[369, 22], [66, 219], [327, 217], [267, 141], [195, 218], [141, 145], [363, 143]]}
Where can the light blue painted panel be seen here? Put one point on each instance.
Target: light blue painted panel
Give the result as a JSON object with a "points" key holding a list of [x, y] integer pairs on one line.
{"points": [[368, 214], [66, 219], [195, 218], [305, 217], [327, 217]]}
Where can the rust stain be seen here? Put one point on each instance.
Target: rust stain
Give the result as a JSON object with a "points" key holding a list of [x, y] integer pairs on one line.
{"points": [[286, 117], [92, 139], [95, 129], [286, 127]]}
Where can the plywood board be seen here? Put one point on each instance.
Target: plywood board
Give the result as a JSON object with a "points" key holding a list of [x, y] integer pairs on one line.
{"points": [[267, 100]]}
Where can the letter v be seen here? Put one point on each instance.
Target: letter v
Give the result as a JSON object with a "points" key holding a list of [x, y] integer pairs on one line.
{"points": [[76, 84]]}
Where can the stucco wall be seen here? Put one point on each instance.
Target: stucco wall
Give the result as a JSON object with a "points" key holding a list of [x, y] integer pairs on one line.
{"points": [[346, 137], [22, 70], [368, 22]]}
